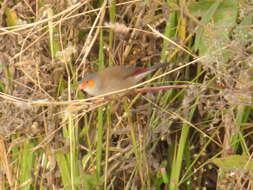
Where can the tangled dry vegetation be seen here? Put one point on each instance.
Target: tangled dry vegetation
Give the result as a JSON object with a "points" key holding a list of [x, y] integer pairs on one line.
{"points": [[56, 137]]}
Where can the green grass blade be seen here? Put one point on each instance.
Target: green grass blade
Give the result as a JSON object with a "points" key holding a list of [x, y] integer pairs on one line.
{"points": [[26, 166], [176, 167]]}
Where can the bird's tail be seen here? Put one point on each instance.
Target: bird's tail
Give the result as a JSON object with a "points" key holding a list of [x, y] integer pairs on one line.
{"points": [[141, 73]]}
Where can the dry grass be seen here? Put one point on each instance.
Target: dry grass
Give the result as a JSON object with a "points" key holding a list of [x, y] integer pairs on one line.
{"points": [[197, 136]]}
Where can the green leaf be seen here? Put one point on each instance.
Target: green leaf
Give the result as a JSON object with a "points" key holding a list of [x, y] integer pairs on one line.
{"points": [[218, 19], [91, 180], [242, 32], [235, 162], [11, 17]]}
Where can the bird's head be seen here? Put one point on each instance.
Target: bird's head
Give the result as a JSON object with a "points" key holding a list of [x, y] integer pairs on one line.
{"points": [[90, 84]]}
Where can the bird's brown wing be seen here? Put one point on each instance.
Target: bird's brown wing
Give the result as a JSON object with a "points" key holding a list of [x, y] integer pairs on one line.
{"points": [[119, 72], [116, 78]]}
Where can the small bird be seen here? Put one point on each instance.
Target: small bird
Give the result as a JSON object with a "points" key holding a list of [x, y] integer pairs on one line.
{"points": [[114, 78]]}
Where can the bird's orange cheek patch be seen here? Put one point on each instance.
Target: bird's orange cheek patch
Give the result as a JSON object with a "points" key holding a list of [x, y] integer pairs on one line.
{"points": [[91, 83]]}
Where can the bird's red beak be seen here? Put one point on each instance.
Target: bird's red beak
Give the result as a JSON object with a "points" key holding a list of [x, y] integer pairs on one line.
{"points": [[82, 86]]}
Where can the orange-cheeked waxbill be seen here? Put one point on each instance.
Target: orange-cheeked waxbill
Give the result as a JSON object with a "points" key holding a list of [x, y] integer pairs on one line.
{"points": [[114, 78]]}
